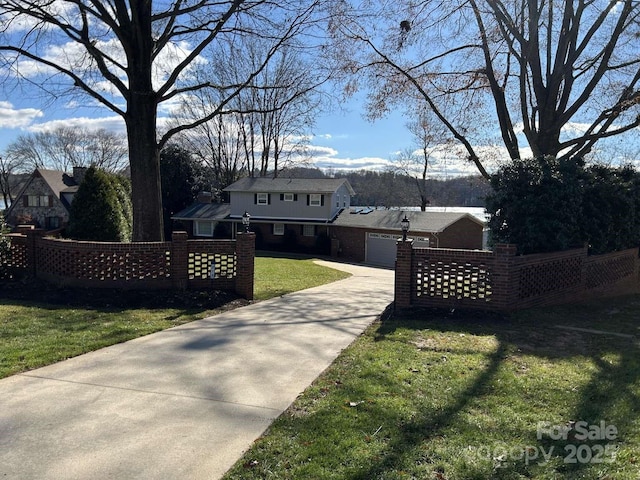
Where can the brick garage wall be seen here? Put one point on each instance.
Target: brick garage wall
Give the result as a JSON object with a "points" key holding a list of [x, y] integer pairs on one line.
{"points": [[465, 233], [349, 243], [181, 263], [500, 280]]}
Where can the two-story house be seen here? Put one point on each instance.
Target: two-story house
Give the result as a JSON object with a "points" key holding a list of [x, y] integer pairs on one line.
{"points": [[45, 199], [315, 215], [287, 212]]}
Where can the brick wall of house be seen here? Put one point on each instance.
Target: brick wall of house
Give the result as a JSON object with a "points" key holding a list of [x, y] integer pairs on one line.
{"points": [[349, 243], [302, 242]]}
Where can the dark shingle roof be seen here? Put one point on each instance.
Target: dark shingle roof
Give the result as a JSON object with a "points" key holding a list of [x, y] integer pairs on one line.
{"points": [[58, 181], [288, 185], [390, 219], [204, 211]]}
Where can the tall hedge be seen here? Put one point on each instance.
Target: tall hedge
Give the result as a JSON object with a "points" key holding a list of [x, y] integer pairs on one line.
{"points": [[101, 209], [544, 205]]}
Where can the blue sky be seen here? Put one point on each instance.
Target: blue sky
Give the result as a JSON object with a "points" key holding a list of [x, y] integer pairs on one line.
{"points": [[340, 140]]}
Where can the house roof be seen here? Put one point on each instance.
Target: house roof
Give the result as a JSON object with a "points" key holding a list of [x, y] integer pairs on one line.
{"points": [[57, 180], [204, 211], [432, 222], [288, 185]]}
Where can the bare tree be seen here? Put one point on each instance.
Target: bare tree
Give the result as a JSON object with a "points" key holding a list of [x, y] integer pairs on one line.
{"points": [[66, 147], [9, 167], [264, 128], [132, 56], [429, 138], [530, 67]]}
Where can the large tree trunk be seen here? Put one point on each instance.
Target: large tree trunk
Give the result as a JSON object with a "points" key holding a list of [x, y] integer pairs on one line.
{"points": [[142, 107], [144, 160]]}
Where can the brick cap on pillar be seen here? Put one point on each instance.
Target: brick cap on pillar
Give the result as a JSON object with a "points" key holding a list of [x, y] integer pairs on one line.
{"points": [[408, 241]]}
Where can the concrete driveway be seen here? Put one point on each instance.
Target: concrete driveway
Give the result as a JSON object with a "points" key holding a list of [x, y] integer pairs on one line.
{"points": [[184, 403]]}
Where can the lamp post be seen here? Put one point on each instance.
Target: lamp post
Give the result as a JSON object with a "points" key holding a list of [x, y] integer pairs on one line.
{"points": [[404, 224], [245, 221]]}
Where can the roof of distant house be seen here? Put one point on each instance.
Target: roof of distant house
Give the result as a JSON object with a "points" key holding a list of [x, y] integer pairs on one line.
{"points": [[204, 211], [390, 219], [57, 180], [288, 185]]}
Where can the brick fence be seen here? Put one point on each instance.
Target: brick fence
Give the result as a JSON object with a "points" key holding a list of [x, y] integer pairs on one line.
{"points": [[501, 280], [179, 264]]}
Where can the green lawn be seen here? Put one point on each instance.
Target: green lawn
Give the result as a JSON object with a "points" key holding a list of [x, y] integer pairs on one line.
{"points": [[433, 395], [71, 322], [275, 276]]}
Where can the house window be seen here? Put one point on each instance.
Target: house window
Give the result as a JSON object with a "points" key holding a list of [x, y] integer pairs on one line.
{"points": [[203, 229], [52, 223], [315, 200], [262, 198], [288, 197], [309, 230], [37, 200], [278, 228]]}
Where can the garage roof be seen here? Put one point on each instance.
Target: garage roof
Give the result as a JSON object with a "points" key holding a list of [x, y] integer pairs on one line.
{"points": [[433, 222]]}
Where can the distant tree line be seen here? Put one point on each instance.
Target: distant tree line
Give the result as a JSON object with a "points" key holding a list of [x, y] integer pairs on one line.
{"points": [[389, 189]]}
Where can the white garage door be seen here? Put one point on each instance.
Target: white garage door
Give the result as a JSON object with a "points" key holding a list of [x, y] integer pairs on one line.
{"points": [[381, 247]]}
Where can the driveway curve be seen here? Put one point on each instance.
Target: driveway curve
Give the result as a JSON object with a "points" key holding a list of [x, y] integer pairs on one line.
{"points": [[188, 401]]}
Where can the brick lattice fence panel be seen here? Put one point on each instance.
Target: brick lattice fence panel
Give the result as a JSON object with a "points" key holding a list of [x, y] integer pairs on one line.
{"points": [[17, 262], [609, 269], [205, 254], [553, 275], [446, 277], [105, 264]]}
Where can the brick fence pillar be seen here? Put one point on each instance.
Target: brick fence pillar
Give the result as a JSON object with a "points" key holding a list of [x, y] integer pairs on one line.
{"points": [[245, 254], [179, 260], [33, 236], [403, 287], [505, 288]]}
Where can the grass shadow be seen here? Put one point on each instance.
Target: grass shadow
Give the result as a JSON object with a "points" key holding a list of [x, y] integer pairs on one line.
{"points": [[602, 335]]}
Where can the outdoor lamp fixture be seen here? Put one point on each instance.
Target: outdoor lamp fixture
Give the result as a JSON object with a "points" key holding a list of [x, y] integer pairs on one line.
{"points": [[245, 221], [404, 224]]}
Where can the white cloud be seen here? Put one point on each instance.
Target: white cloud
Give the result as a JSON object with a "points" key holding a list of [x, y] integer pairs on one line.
{"points": [[11, 117], [113, 124]]}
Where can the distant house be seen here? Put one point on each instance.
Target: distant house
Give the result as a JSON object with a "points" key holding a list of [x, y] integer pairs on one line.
{"points": [[45, 198], [316, 215]]}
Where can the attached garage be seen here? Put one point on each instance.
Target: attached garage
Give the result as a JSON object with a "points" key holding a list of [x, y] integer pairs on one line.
{"points": [[369, 235], [380, 248]]}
